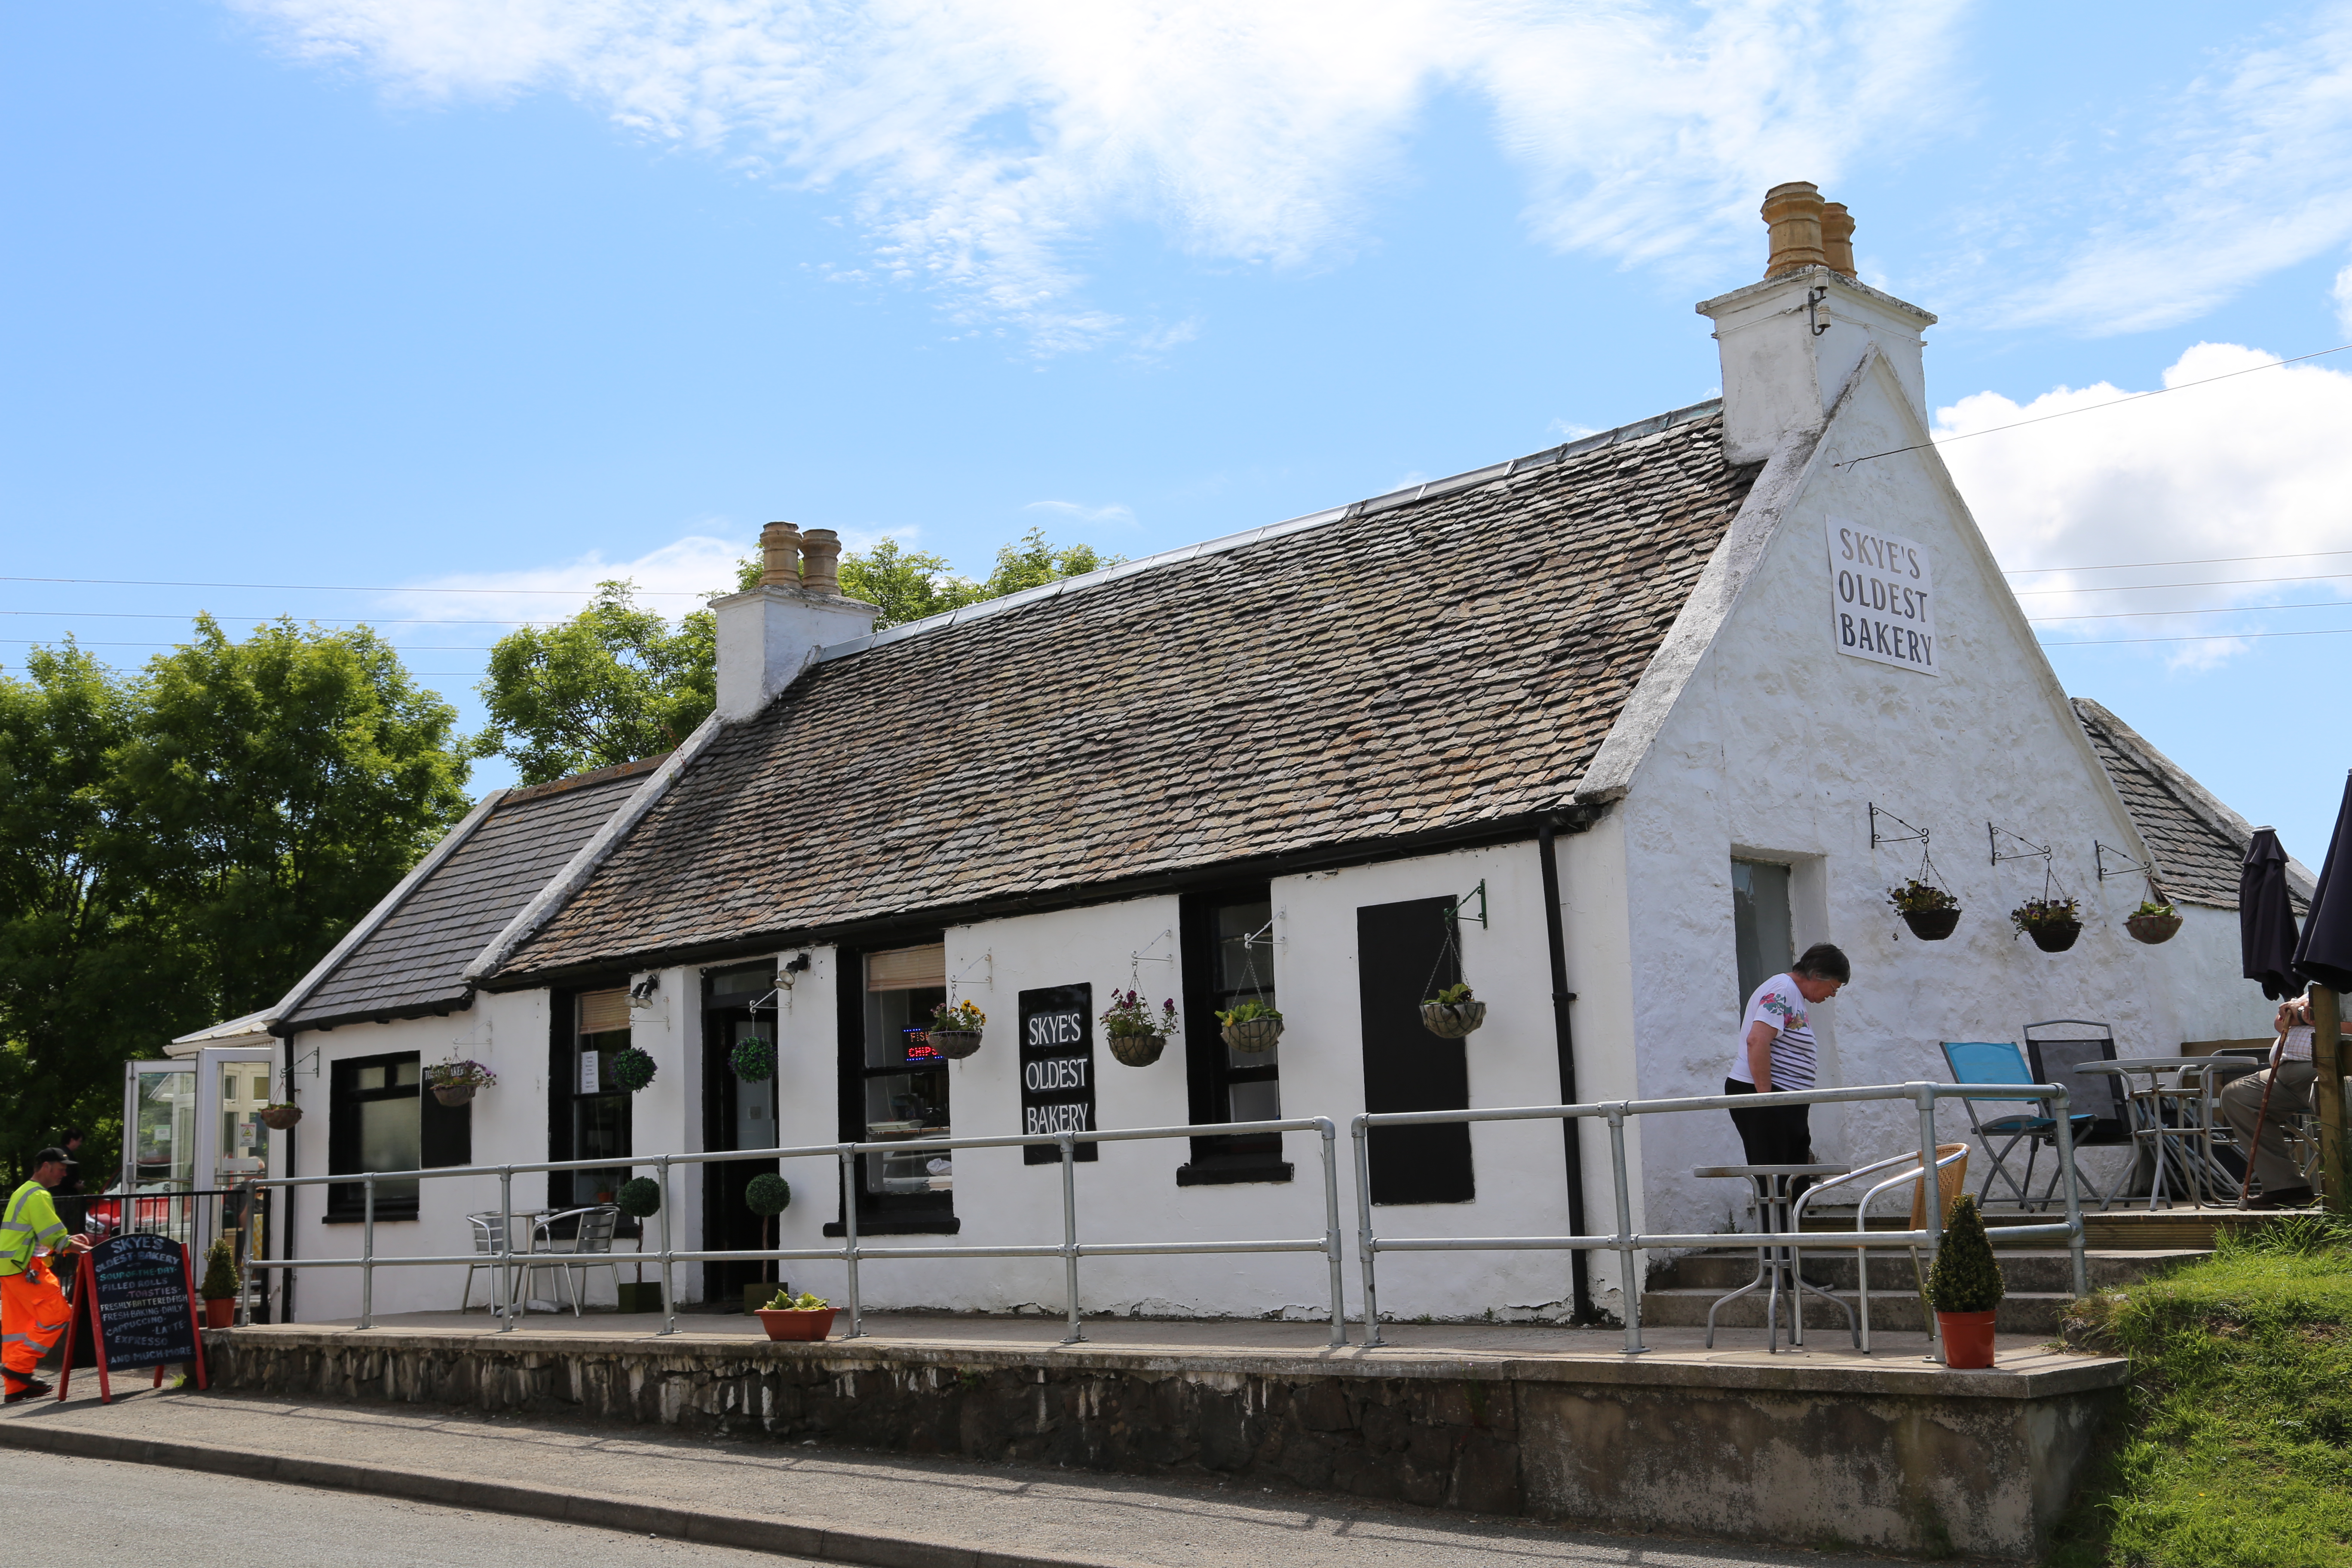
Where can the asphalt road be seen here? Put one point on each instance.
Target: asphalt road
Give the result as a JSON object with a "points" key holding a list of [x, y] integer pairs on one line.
{"points": [[99, 1510]]}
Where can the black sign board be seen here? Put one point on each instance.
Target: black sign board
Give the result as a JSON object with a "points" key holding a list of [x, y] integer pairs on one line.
{"points": [[1058, 1067], [140, 1294]]}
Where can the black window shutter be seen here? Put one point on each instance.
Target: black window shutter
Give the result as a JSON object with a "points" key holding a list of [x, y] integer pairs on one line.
{"points": [[1406, 1067], [445, 1134]]}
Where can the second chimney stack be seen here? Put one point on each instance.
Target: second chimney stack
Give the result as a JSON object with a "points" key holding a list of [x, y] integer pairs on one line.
{"points": [[1794, 211], [779, 556], [821, 561]]}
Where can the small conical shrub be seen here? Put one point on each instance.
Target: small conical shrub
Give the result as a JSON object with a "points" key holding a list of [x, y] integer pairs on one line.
{"points": [[220, 1272], [1965, 1277]]}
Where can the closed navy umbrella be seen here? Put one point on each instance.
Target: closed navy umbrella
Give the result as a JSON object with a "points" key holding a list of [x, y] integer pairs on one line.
{"points": [[2324, 953], [2266, 917]]}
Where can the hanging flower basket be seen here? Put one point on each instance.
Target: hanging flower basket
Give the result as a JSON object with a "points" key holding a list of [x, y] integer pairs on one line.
{"points": [[753, 1059], [455, 1083], [2053, 923], [1252, 1028], [2154, 923], [1138, 1051], [278, 1118], [1927, 908], [1932, 925], [632, 1069], [954, 1044], [454, 1093], [1452, 1020]]}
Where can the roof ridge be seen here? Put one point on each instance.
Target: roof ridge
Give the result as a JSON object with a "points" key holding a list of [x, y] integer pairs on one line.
{"points": [[579, 781], [1429, 489]]}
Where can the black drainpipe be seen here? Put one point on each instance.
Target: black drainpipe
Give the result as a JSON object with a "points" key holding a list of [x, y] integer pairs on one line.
{"points": [[1564, 1037]]}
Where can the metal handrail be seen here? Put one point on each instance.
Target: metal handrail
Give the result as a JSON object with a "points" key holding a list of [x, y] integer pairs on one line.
{"points": [[1626, 1242], [1911, 1174], [850, 1253]]}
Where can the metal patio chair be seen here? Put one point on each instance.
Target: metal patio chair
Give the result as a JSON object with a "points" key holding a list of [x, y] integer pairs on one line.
{"points": [[592, 1238], [2104, 1119], [2000, 1061], [490, 1243]]}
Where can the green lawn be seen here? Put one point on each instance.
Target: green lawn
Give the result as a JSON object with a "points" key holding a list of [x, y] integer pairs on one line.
{"points": [[2236, 1449]]}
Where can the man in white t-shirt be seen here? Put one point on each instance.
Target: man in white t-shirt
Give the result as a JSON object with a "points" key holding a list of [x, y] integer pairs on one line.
{"points": [[2241, 1104], [1775, 1052]]}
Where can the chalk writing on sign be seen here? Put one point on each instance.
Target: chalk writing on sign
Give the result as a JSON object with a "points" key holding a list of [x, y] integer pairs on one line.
{"points": [[145, 1315], [1058, 1068], [1882, 597]]}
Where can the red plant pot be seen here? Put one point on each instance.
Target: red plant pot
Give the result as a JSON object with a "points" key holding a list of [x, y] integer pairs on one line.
{"points": [[221, 1314], [1967, 1338], [794, 1323]]}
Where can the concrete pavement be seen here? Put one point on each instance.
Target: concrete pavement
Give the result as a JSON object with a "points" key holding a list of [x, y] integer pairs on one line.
{"points": [[826, 1504]]}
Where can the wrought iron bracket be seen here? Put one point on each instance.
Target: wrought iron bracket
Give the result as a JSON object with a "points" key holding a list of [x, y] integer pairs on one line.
{"points": [[1909, 834], [1453, 912], [2099, 853], [2031, 851]]}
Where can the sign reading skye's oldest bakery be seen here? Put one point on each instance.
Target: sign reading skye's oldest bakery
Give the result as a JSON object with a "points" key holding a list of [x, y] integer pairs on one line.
{"points": [[1058, 1067], [1882, 597]]}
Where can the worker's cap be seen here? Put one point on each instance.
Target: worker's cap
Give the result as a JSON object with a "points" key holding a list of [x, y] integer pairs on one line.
{"points": [[53, 1155]]}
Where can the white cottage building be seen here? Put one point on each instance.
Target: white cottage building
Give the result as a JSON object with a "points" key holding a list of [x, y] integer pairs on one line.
{"points": [[1618, 713]]}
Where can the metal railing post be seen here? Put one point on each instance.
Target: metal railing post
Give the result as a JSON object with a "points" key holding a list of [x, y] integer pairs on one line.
{"points": [[1628, 1287], [2059, 1110], [1931, 1205], [244, 1229], [505, 1249], [1330, 1136], [1365, 1245], [1070, 1234], [669, 1300], [367, 1251], [849, 1238]]}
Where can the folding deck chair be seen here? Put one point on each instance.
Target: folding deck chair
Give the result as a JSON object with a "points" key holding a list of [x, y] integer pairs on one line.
{"points": [[2104, 1119], [2000, 1061]]}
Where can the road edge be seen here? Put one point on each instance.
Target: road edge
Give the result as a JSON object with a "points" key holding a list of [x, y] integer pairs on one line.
{"points": [[756, 1532]]}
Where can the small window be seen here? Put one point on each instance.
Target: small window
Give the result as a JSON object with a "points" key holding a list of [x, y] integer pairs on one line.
{"points": [[1229, 959], [1762, 929], [372, 1125], [600, 1107], [904, 1078]]}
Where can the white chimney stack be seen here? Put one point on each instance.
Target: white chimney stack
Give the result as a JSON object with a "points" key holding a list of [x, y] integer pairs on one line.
{"points": [[1789, 343], [767, 633]]}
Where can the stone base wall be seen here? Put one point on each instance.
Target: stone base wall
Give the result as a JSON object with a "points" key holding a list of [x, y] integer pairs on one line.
{"points": [[1922, 1472]]}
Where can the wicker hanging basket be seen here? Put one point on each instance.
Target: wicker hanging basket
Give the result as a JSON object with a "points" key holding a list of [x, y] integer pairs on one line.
{"points": [[1452, 1020], [278, 1118], [1253, 1035], [454, 1093], [2153, 929], [1138, 1051], [954, 1044]]}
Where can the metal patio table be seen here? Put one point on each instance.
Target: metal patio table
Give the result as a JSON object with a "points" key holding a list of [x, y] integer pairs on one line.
{"points": [[1771, 1182], [2174, 1147]]}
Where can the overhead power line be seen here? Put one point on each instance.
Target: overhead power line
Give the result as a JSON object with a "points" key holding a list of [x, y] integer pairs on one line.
{"points": [[50, 642], [2212, 610], [2093, 408], [2132, 565], [2207, 583], [2218, 636], [168, 616], [350, 587]]}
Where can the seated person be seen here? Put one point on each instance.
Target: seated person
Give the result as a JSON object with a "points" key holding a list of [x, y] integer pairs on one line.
{"points": [[2291, 1071]]}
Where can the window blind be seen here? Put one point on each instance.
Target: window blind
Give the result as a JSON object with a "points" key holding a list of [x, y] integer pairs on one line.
{"points": [[602, 1011], [907, 968]]}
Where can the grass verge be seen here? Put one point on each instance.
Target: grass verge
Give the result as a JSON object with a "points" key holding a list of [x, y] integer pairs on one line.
{"points": [[2232, 1449]]}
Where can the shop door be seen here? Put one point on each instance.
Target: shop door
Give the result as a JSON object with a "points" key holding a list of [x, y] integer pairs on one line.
{"points": [[1406, 1067], [232, 1085], [159, 1150], [739, 1113]]}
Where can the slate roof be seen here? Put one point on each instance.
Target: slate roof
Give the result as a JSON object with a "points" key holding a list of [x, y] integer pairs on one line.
{"points": [[1433, 661], [413, 962], [2199, 843]]}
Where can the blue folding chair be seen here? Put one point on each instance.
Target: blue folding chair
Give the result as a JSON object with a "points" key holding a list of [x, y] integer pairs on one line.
{"points": [[2000, 1061]]}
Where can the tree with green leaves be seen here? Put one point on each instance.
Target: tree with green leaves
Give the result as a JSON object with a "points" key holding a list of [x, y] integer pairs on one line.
{"points": [[611, 685]]}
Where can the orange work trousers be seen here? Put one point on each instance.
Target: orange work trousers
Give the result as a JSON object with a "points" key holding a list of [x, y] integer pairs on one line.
{"points": [[33, 1313]]}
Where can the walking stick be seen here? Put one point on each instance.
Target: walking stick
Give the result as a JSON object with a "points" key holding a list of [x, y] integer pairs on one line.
{"points": [[2270, 1082]]}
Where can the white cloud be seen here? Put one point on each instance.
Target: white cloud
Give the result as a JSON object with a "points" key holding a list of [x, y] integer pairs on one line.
{"points": [[2254, 465], [2344, 300], [1115, 514], [672, 579], [981, 143]]}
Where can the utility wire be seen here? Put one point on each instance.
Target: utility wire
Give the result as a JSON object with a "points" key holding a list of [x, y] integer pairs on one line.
{"points": [[2216, 610], [2220, 637], [2111, 402], [2208, 582], [352, 588], [166, 615], [2131, 565], [46, 642]]}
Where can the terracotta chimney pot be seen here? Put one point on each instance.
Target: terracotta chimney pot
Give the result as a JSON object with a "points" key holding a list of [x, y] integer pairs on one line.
{"points": [[821, 561], [1837, 237], [779, 556], [1794, 211]]}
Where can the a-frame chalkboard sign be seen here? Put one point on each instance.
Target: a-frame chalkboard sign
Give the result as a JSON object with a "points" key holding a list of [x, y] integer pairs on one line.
{"points": [[138, 1295]]}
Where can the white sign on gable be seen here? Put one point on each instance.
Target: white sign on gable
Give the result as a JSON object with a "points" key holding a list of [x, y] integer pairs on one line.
{"points": [[1882, 597]]}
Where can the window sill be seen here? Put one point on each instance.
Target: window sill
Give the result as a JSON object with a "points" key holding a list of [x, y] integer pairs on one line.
{"points": [[1222, 1175], [899, 1224]]}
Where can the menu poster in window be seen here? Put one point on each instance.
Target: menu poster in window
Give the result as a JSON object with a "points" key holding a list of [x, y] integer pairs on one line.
{"points": [[1058, 1068], [141, 1296]]}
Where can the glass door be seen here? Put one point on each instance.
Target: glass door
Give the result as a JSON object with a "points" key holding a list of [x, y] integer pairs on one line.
{"points": [[232, 1085], [159, 1150]]}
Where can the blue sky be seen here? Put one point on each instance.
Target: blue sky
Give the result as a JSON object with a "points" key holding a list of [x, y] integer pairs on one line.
{"points": [[509, 297]]}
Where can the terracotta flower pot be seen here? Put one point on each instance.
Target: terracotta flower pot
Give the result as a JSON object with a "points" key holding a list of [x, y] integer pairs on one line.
{"points": [[1254, 1034], [278, 1118], [792, 1323], [1138, 1051], [221, 1314], [1931, 925], [454, 1093], [2055, 936], [954, 1044], [2153, 929], [1452, 1020], [1968, 1338]]}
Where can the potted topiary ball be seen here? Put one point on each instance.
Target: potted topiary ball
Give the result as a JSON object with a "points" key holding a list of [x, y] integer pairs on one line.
{"points": [[1453, 1013], [640, 1199], [2053, 923], [2154, 922], [1927, 908], [631, 1068], [220, 1285], [766, 1194], [754, 1059], [1964, 1285]]}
